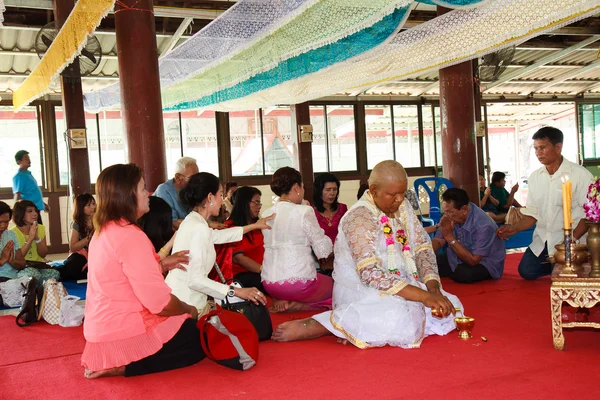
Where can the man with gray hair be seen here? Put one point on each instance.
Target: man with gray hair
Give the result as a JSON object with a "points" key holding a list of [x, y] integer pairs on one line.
{"points": [[169, 191]]}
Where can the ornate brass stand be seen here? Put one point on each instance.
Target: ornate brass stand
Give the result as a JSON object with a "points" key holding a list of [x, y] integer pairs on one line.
{"points": [[579, 291]]}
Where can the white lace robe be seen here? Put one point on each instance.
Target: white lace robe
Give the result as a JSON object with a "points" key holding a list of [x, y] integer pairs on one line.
{"points": [[295, 234], [365, 309]]}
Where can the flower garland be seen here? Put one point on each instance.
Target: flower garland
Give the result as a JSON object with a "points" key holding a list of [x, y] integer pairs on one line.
{"points": [[592, 202], [400, 237]]}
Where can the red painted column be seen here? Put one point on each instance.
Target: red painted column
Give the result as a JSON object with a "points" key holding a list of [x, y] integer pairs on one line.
{"points": [[459, 154], [141, 105], [72, 99]]}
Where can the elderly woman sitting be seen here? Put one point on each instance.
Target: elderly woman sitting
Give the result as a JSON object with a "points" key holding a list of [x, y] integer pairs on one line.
{"points": [[133, 324], [289, 271]]}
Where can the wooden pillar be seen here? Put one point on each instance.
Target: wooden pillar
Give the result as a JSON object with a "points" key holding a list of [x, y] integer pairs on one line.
{"points": [[458, 132], [224, 146], [478, 118], [301, 116], [72, 99], [141, 105]]}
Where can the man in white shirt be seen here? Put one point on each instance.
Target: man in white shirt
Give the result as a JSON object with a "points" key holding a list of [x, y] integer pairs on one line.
{"points": [[544, 204]]}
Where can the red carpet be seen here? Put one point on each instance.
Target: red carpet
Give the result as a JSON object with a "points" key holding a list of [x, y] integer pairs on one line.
{"points": [[517, 362]]}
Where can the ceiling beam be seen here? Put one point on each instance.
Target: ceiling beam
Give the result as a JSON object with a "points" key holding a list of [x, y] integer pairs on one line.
{"points": [[587, 89], [177, 35], [434, 85], [545, 60], [159, 11], [565, 76], [34, 54], [100, 77], [97, 32]]}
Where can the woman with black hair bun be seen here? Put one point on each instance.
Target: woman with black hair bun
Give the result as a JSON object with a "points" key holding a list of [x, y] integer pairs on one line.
{"points": [[204, 196], [289, 271]]}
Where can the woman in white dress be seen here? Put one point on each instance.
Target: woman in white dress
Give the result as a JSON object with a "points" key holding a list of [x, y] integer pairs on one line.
{"points": [[289, 271], [204, 196], [386, 277]]}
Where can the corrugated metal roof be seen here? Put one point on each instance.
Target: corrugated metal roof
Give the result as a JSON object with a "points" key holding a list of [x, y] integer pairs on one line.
{"points": [[17, 58]]}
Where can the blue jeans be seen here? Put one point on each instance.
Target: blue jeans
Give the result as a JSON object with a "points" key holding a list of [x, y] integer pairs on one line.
{"points": [[532, 267]]}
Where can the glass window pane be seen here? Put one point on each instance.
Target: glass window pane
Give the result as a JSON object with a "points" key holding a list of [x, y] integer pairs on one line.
{"points": [[172, 140], [378, 126], [200, 140], [438, 134], [342, 138], [93, 148], [63, 148], [406, 127], [589, 121], [319, 144], [246, 143], [113, 144], [19, 132], [429, 137], [279, 147]]}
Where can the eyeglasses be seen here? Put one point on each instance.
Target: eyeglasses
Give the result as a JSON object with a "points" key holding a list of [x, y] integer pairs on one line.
{"points": [[258, 203]]}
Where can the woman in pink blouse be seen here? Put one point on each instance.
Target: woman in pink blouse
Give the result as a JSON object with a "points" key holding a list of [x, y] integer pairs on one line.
{"points": [[328, 211], [133, 324]]}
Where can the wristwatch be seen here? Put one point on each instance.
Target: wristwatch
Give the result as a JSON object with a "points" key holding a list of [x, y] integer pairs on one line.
{"points": [[231, 291], [452, 243]]}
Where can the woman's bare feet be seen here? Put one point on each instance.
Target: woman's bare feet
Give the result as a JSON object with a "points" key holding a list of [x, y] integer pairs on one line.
{"points": [[117, 371], [342, 341], [279, 306], [299, 330], [289, 306]]}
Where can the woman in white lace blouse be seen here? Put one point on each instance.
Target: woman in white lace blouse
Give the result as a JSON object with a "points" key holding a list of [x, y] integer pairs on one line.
{"points": [[289, 271]]}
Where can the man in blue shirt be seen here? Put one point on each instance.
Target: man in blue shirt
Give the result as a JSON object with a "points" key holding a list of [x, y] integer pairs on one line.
{"points": [[25, 186], [474, 251], [169, 191]]}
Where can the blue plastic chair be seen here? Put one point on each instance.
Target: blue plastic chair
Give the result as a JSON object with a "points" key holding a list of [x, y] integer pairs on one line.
{"points": [[435, 213]]}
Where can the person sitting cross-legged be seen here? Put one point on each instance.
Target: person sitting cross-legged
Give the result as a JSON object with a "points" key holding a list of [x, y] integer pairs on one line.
{"points": [[474, 251], [11, 259], [386, 278]]}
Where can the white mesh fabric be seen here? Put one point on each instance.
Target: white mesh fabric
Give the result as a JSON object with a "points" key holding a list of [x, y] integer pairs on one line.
{"points": [[448, 39]]}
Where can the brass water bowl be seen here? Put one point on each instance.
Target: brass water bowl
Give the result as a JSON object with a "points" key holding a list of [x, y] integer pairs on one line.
{"points": [[464, 325], [579, 254]]}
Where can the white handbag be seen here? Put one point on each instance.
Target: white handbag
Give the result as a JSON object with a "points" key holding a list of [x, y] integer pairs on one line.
{"points": [[53, 294]]}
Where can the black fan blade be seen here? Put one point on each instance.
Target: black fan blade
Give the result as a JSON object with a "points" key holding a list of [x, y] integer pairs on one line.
{"points": [[88, 55], [47, 41]]}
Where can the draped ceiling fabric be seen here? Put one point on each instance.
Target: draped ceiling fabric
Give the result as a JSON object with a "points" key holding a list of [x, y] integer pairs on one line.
{"points": [[451, 38], [84, 18], [251, 37], [264, 52]]}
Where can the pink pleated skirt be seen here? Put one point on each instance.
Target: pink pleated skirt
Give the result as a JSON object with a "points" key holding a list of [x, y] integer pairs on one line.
{"points": [[316, 292]]}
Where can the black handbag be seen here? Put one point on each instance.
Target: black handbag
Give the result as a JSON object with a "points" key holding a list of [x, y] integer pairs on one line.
{"points": [[257, 314], [31, 301]]}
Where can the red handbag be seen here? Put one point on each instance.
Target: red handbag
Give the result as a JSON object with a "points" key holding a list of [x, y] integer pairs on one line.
{"points": [[229, 339]]}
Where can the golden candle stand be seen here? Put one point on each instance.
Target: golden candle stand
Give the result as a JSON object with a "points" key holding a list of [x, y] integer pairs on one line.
{"points": [[572, 284]]}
